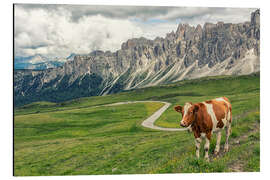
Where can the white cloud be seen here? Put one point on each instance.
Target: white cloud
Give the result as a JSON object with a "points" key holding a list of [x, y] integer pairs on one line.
{"points": [[61, 30], [194, 16], [54, 34], [153, 30]]}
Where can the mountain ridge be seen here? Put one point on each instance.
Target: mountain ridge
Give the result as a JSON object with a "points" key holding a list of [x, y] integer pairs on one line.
{"points": [[40, 62], [189, 52]]}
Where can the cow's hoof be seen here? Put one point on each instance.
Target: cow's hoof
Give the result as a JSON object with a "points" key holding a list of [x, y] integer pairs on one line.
{"points": [[226, 150], [216, 153]]}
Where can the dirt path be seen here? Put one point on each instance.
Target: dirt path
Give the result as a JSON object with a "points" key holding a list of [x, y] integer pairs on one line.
{"points": [[149, 122]]}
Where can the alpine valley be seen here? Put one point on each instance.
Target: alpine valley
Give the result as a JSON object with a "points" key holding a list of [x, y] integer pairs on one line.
{"points": [[189, 53]]}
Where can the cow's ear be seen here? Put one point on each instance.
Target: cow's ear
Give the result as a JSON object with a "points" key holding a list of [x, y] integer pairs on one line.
{"points": [[196, 108], [178, 108]]}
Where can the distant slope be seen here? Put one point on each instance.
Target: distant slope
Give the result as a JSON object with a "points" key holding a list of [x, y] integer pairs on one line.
{"points": [[198, 88]]}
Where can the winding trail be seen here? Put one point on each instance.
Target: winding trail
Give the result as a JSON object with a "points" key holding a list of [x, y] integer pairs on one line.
{"points": [[149, 122]]}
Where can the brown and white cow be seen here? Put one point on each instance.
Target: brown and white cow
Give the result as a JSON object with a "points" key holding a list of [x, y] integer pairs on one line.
{"points": [[207, 117]]}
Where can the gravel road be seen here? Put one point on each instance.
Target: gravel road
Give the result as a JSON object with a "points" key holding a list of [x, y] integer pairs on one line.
{"points": [[149, 122]]}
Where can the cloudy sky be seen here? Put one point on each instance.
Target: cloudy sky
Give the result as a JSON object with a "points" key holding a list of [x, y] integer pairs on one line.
{"points": [[58, 30]]}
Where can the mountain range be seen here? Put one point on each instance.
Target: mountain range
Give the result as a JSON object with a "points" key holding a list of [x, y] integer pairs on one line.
{"points": [[189, 52], [40, 62]]}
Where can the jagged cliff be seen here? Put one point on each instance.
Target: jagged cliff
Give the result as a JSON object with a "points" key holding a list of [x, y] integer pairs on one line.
{"points": [[190, 52]]}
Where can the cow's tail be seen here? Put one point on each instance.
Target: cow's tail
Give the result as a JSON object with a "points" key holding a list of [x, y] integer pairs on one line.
{"points": [[229, 108], [230, 114]]}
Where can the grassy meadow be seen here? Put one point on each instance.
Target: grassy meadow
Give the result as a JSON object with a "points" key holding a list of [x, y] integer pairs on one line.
{"points": [[81, 137]]}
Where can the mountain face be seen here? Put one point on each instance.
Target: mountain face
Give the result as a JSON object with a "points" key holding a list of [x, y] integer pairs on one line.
{"points": [[40, 62], [190, 52]]}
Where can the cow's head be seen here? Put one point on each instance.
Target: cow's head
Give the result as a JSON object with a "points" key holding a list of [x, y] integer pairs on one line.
{"points": [[188, 113]]}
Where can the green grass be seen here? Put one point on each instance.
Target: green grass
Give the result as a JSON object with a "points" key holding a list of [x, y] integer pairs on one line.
{"points": [[76, 137]]}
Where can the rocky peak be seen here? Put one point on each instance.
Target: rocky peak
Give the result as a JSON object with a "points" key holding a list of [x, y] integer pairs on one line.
{"points": [[96, 53], [170, 36], [208, 26], [220, 24], [198, 29], [183, 31], [255, 18], [131, 43]]}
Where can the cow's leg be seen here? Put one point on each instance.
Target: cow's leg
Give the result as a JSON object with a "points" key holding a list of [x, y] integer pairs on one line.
{"points": [[198, 144], [218, 143], [206, 146], [206, 149], [228, 132]]}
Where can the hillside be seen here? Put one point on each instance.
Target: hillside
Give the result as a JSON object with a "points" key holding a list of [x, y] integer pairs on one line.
{"points": [[82, 137], [188, 53]]}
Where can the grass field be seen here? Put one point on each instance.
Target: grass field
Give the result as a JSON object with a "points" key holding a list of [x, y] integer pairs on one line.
{"points": [[82, 137]]}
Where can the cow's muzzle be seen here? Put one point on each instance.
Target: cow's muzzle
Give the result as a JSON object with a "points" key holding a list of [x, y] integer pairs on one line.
{"points": [[183, 124]]}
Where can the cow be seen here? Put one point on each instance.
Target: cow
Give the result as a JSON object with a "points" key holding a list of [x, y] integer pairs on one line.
{"points": [[205, 118]]}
